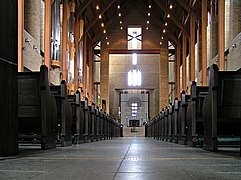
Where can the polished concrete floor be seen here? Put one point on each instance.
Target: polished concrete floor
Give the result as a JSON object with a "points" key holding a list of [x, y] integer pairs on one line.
{"points": [[121, 159]]}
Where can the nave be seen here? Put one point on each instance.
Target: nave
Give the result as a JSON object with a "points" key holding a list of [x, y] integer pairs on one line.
{"points": [[127, 158]]}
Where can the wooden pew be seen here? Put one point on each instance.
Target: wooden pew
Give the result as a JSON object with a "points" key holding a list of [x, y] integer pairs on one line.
{"points": [[64, 114], [222, 109], [182, 120], [97, 124], [105, 135], [175, 121], [166, 124], [156, 121], [158, 125], [92, 122], [108, 123], [78, 118], [195, 130], [170, 124], [37, 110], [86, 135], [101, 115], [162, 124]]}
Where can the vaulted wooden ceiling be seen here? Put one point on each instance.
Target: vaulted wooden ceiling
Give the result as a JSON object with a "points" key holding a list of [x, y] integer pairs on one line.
{"points": [[177, 23]]}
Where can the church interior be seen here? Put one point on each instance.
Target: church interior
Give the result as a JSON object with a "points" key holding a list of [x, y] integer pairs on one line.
{"points": [[120, 89]]}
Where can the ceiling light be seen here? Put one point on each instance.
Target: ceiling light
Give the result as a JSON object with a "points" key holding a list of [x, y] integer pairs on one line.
{"points": [[100, 16], [168, 15], [108, 43], [160, 43], [119, 14], [121, 27], [147, 28], [166, 24], [149, 6], [106, 37], [102, 24], [162, 37], [120, 22], [118, 7], [104, 31], [164, 31], [149, 14], [170, 6], [147, 22], [97, 7]]}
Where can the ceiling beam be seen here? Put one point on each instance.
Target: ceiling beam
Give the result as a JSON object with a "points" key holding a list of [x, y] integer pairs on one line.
{"points": [[173, 18], [189, 9], [161, 24], [158, 22], [82, 7], [108, 24], [186, 19], [99, 35], [95, 18]]}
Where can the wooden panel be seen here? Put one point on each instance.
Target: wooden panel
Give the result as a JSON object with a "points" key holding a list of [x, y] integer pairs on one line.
{"points": [[8, 78], [28, 111], [28, 92], [230, 92]]}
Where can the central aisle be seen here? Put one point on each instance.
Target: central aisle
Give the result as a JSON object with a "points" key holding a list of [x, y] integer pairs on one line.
{"points": [[121, 159]]}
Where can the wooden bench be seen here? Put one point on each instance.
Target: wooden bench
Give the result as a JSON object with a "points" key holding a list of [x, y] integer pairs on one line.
{"points": [[64, 114], [77, 119], [156, 124], [105, 133], [175, 120], [86, 135], [166, 123], [170, 122], [92, 122], [37, 110], [182, 118], [222, 109], [195, 130], [161, 127], [101, 116], [97, 124]]}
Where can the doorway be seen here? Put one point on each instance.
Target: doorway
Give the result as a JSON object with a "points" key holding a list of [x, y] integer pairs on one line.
{"points": [[134, 108]]}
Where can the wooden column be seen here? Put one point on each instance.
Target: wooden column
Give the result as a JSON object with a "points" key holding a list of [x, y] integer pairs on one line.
{"points": [[184, 64], [20, 34], [221, 34], [90, 72], [204, 42], [178, 60], [85, 65], [76, 57], [192, 48], [47, 33], [64, 39]]}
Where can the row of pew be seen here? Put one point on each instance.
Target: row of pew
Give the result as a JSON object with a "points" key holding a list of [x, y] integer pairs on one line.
{"points": [[210, 117], [47, 115]]}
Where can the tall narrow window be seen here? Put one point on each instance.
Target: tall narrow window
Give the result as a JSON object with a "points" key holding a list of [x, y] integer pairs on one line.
{"points": [[134, 78], [134, 38], [134, 59], [134, 109]]}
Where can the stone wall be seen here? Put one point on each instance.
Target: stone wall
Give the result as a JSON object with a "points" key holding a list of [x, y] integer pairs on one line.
{"points": [[31, 53], [234, 57], [148, 64]]}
